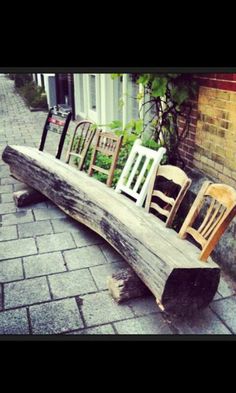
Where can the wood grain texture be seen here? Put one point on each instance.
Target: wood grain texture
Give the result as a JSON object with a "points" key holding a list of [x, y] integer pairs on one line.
{"points": [[27, 196], [125, 285], [220, 213], [167, 265]]}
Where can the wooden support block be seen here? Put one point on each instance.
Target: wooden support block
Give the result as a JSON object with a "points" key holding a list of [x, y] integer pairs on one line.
{"points": [[167, 265], [27, 196], [125, 285]]}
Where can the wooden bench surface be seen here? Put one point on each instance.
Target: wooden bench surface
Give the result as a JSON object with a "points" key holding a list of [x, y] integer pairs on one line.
{"points": [[169, 266]]}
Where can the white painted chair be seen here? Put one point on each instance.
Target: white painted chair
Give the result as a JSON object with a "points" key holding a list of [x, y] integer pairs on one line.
{"points": [[140, 157]]}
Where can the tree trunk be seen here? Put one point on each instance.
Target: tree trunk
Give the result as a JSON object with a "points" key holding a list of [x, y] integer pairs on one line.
{"points": [[167, 265], [125, 285], [27, 196]]}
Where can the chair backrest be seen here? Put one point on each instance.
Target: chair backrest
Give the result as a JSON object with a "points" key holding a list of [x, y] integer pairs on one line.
{"points": [[219, 214], [170, 198], [56, 121], [138, 170], [107, 144], [80, 142]]}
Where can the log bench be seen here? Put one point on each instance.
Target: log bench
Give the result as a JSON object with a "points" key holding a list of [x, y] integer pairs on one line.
{"points": [[167, 265]]}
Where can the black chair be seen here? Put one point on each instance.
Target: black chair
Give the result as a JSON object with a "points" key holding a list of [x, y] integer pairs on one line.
{"points": [[57, 121]]}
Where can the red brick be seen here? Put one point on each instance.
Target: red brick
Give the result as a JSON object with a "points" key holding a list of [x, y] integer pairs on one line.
{"points": [[227, 77]]}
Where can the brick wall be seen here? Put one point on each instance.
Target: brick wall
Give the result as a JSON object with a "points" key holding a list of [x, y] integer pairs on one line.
{"points": [[211, 145], [187, 147]]}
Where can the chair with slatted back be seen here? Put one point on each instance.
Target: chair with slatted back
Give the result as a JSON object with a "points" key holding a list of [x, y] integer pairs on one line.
{"points": [[137, 172], [107, 144], [219, 214], [80, 142], [171, 194], [56, 121]]}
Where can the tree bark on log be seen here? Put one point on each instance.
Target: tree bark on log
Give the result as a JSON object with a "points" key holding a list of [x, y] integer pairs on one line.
{"points": [[125, 285], [27, 196], [167, 265]]}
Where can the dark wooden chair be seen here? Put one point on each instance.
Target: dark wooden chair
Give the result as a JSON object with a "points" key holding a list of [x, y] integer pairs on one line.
{"points": [[80, 142], [107, 144], [57, 121], [219, 214], [170, 196]]}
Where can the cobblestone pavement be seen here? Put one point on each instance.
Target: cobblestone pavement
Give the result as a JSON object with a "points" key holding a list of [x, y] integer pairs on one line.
{"points": [[53, 270]]}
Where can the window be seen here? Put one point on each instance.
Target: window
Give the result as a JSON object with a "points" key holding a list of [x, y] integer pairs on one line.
{"points": [[81, 93], [92, 92]]}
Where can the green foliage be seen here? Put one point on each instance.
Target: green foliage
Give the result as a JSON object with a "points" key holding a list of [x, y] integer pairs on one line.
{"points": [[34, 95], [22, 79], [168, 99]]}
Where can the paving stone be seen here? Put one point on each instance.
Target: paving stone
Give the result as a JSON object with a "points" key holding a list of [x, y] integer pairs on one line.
{"points": [[35, 228], [150, 324], [20, 293], [39, 265], [19, 186], [4, 169], [5, 189], [47, 214], [17, 248], [55, 317], [144, 305], [17, 218], [55, 242], [110, 253], [7, 198], [8, 233], [217, 296], [102, 330], [65, 225], [39, 205], [11, 270], [203, 322], [14, 322], [9, 180], [225, 287], [100, 308], [86, 237], [8, 207], [1, 297], [84, 257], [101, 273], [226, 310], [71, 283]]}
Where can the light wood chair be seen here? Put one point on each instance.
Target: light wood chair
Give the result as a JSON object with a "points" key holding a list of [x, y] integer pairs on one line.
{"points": [[171, 198], [80, 142], [218, 216], [141, 162], [107, 144]]}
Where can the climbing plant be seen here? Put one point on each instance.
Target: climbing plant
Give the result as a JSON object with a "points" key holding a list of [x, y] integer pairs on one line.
{"points": [[166, 99]]}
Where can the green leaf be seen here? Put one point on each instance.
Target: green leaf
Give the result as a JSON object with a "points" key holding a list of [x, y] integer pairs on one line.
{"points": [[140, 96], [139, 126], [121, 103], [144, 79], [180, 94], [114, 76], [159, 86], [115, 124]]}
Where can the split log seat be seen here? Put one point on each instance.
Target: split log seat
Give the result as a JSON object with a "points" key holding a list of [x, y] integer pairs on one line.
{"points": [[167, 265]]}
